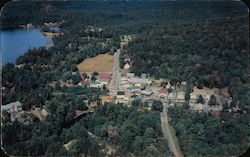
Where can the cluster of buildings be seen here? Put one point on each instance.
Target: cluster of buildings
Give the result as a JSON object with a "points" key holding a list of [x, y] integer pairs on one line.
{"points": [[16, 113]]}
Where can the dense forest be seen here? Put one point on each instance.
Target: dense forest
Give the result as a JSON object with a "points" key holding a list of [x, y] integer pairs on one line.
{"points": [[203, 42]]}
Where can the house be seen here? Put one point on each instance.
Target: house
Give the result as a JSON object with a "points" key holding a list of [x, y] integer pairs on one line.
{"points": [[104, 76], [146, 92], [106, 99], [171, 96], [84, 76], [83, 83], [144, 75], [135, 97], [163, 92], [196, 107], [143, 81], [193, 96], [121, 100], [207, 97], [130, 75], [134, 89], [12, 107], [126, 66], [215, 110], [96, 85], [120, 94], [183, 82], [181, 96], [103, 81]]}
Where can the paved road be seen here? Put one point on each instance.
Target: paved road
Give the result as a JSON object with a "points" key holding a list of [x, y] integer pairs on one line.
{"points": [[166, 132], [115, 81]]}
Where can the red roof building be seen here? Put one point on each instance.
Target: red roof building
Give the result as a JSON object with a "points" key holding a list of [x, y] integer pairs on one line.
{"points": [[105, 76], [163, 92]]}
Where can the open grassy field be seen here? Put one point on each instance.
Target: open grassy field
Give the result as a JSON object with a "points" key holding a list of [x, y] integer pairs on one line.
{"points": [[100, 63]]}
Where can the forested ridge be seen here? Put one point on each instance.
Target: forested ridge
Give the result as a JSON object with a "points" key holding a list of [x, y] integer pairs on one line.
{"points": [[205, 43]]}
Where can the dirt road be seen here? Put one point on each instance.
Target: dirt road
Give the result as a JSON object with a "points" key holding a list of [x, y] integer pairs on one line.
{"points": [[167, 133]]}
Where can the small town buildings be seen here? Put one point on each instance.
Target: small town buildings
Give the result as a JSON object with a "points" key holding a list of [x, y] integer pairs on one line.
{"points": [[95, 84], [181, 96], [171, 96], [196, 107], [103, 81], [207, 97], [143, 81], [134, 97], [163, 93], [120, 95], [193, 96], [122, 100], [215, 110], [106, 99], [12, 107], [134, 89], [146, 92], [183, 82], [130, 75], [104, 76], [144, 75]]}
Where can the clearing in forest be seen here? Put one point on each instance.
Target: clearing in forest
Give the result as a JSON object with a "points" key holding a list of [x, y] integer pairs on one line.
{"points": [[100, 63]]}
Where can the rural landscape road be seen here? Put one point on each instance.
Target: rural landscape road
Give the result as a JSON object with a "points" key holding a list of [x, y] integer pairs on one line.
{"points": [[114, 84], [167, 133]]}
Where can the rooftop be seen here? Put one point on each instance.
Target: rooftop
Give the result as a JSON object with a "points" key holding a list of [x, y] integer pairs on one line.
{"points": [[11, 105]]}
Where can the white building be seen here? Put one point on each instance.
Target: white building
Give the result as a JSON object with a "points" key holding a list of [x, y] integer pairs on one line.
{"points": [[12, 107]]}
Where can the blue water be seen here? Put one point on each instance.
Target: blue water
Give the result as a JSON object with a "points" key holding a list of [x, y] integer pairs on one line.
{"points": [[17, 42]]}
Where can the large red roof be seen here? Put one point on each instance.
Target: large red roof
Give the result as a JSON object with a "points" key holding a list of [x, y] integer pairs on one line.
{"points": [[105, 76]]}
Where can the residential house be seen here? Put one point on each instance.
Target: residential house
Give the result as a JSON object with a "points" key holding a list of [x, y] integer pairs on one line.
{"points": [[171, 96], [96, 85], [106, 99], [183, 82], [181, 96], [215, 110], [143, 81], [120, 95], [193, 97], [134, 89], [196, 107], [163, 92], [130, 75], [12, 107], [146, 92]]}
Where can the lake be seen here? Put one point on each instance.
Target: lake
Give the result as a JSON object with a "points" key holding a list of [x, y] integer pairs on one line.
{"points": [[16, 42]]}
